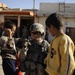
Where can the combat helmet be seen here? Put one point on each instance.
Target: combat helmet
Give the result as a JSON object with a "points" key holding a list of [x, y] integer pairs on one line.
{"points": [[37, 27]]}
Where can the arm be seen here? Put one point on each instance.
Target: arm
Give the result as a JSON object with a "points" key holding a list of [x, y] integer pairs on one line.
{"points": [[65, 59]]}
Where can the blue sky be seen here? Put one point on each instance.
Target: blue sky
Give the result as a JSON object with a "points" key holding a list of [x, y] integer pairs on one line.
{"points": [[28, 4]]}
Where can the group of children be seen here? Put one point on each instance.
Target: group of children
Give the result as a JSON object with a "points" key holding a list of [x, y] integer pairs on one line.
{"points": [[36, 56]]}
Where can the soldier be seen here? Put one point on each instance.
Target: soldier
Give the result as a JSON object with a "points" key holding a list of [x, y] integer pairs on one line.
{"points": [[37, 51]]}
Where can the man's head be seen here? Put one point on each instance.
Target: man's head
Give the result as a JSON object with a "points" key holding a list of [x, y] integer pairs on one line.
{"points": [[9, 25], [37, 30], [53, 22]]}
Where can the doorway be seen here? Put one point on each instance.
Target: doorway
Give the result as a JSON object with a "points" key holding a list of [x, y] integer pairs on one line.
{"points": [[71, 32], [25, 24]]}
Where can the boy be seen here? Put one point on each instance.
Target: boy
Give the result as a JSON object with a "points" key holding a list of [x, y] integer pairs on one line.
{"points": [[60, 59], [8, 50]]}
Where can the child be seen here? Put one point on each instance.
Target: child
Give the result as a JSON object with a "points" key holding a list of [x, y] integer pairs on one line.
{"points": [[8, 50], [60, 59]]}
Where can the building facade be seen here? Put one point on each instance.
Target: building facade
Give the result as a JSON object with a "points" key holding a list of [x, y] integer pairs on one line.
{"points": [[67, 10], [19, 16], [24, 17]]}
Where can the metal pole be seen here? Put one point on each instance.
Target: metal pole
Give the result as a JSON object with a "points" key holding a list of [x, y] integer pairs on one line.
{"points": [[33, 4]]}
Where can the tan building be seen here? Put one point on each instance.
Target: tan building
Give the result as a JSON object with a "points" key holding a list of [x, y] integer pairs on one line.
{"points": [[19, 16], [3, 6]]}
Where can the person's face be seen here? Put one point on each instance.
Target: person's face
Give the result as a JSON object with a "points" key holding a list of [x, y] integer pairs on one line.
{"points": [[35, 35], [13, 30], [51, 30]]}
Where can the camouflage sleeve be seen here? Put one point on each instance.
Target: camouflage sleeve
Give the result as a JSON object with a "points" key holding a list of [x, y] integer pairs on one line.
{"points": [[48, 45]]}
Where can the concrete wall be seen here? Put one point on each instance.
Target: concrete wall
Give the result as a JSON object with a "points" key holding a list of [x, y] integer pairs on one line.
{"points": [[2, 6], [1, 18], [54, 7], [48, 7]]}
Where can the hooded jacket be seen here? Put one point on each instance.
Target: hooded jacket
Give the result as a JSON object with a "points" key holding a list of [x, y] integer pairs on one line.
{"points": [[60, 59]]}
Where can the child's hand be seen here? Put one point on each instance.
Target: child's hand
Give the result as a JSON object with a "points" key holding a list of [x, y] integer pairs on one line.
{"points": [[8, 32]]}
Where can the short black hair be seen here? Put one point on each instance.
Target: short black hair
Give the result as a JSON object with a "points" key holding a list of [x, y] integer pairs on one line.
{"points": [[9, 24], [55, 20]]}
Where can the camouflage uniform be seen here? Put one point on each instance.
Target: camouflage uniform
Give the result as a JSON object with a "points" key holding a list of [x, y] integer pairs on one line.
{"points": [[33, 53], [34, 62]]}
